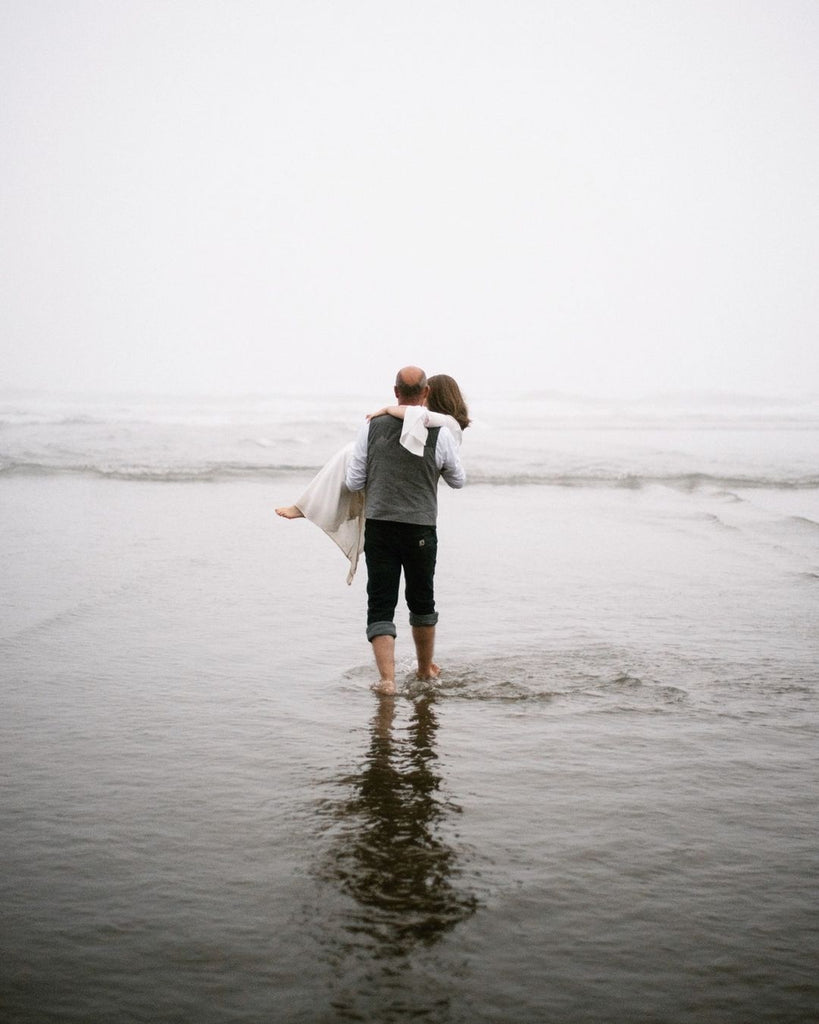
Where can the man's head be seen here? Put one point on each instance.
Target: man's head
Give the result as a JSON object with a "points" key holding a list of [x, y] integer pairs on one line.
{"points": [[411, 386]]}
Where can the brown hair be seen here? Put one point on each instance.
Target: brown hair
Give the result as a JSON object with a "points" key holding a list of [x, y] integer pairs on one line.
{"points": [[445, 397]]}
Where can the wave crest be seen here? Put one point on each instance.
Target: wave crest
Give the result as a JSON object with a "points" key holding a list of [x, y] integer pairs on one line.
{"points": [[231, 470]]}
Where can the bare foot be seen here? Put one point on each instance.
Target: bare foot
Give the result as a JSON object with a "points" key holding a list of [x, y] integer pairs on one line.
{"points": [[384, 687], [290, 512], [433, 673]]}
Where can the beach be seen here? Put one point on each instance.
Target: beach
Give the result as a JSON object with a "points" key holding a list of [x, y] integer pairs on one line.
{"points": [[605, 809]]}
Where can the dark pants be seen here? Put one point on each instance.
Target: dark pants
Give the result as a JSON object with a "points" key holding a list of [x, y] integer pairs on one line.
{"points": [[389, 548]]}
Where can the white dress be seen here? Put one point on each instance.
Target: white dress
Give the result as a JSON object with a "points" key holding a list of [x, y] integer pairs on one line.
{"points": [[340, 512]]}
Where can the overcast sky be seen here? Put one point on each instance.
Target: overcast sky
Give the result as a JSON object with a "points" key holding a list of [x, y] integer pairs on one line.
{"points": [[603, 196]]}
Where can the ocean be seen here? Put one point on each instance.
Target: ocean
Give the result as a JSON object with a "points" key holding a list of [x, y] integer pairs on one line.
{"points": [[605, 810]]}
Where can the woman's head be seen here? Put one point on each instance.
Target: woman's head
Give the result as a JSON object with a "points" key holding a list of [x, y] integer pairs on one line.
{"points": [[445, 397]]}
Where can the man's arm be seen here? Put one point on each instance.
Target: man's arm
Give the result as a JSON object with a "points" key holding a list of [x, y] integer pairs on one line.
{"points": [[448, 460], [356, 475]]}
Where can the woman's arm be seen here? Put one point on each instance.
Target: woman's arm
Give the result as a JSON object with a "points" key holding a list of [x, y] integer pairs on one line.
{"points": [[440, 419], [398, 411], [414, 435], [429, 418]]}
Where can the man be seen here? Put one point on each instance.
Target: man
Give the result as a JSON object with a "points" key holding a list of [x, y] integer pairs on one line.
{"points": [[400, 530]]}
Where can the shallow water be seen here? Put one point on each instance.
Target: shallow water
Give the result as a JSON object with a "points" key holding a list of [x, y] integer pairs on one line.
{"points": [[605, 810]]}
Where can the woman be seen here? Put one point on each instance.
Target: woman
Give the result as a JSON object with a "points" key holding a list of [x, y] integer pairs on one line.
{"points": [[339, 512]]}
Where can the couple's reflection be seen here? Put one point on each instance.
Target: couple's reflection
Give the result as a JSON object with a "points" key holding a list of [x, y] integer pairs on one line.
{"points": [[388, 852]]}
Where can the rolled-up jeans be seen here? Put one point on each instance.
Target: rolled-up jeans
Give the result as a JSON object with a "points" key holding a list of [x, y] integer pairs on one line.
{"points": [[389, 548]]}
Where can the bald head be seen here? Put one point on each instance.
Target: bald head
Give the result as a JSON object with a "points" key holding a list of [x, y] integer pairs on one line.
{"points": [[411, 386]]}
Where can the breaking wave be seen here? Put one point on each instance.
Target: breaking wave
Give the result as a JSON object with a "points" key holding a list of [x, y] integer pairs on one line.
{"points": [[539, 441], [213, 472]]}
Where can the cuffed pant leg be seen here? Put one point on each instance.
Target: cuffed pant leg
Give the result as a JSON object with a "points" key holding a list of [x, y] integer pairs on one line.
{"points": [[375, 629], [420, 555], [423, 620], [383, 557]]}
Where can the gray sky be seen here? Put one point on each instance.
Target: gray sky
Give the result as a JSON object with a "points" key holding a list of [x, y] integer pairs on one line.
{"points": [[604, 196]]}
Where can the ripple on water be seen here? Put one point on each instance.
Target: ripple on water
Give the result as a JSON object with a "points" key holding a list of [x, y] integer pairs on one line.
{"points": [[585, 680]]}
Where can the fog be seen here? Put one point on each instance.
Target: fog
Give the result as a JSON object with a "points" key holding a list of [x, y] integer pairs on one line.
{"points": [[592, 196]]}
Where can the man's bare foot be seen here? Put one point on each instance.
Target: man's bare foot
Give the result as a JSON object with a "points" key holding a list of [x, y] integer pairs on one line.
{"points": [[384, 687], [290, 512], [433, 673]]}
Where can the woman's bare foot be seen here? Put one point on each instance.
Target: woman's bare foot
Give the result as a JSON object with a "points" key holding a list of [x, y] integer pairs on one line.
{"points": [[384, 687], [433, 673], [290, 512]]}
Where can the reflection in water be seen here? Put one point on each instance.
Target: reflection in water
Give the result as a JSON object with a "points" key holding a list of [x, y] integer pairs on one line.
{"points": [[387, 852]]}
